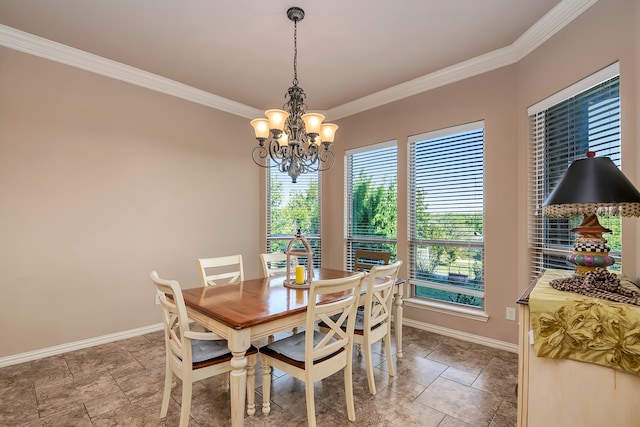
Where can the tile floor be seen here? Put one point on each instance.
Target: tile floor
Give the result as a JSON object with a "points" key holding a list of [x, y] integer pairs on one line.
{"points": [[441, 381]]}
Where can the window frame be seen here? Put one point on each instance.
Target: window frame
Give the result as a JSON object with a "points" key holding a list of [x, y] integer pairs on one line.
{"points": [[361, 241], [449, 307], [283, 238], [543, 251]]}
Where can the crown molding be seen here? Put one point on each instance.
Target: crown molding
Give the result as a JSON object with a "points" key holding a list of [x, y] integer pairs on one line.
{"points": [[556, 19], [463, 70], [44, 48]]}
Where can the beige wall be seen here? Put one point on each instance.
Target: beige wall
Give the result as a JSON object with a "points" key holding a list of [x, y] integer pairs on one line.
{"points": [[102, 181], [602, 35]]}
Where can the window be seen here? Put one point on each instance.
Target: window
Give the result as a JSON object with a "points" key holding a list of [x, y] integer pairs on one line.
{"points": [[446, 174], [371, 199], [291, 207], [584, 117]]}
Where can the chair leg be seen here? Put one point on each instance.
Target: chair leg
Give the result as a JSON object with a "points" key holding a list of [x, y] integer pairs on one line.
{"points": [[311, 405], [348, 390], [369, 366], [266, 388], [387, 349], [186, 402], [251, 387], [168, 380]]}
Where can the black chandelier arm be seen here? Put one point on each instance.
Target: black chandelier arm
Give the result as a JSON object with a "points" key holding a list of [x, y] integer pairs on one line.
{"points": [[327, 158], [260, 153], [272, 151]]}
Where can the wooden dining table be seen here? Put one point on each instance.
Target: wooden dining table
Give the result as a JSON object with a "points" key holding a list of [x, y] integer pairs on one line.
{"points": [[252, 309]]}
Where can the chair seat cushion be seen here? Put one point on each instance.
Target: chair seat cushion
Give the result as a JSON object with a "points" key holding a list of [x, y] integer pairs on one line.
{"points": [[359, 325], [293, 347], [206, 352], [202, 350]]}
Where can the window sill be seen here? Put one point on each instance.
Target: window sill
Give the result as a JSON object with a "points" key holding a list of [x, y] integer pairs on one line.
{"points": [[467, 313]]}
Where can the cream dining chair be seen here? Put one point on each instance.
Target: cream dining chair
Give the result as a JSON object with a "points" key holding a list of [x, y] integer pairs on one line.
{"points": [[375, 323], [224, 269], [311, 356], [373, 319], [220, 270], [193, 356], [275, 264]]}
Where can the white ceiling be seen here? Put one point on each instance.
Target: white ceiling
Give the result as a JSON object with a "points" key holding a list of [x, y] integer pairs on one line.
{"points": [[352, 54]]}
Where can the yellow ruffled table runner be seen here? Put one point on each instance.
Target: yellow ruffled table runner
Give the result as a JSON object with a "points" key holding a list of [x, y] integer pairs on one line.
{"points": [[567, 325]]}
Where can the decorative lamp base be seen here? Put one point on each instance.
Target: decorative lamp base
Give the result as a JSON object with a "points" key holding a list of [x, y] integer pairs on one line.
{"points": [[590, 250]]}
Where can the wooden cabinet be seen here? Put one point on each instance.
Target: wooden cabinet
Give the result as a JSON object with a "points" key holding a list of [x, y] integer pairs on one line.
{"points": [[567, 393]]}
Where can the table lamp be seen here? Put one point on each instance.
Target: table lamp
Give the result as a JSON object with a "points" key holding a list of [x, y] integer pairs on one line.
{"points": [[590, 187]]}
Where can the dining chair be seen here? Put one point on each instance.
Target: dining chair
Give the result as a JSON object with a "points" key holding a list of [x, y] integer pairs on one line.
{"points": [[373, 320], [375, 323], [190, 355], [364, 259], [221, 270], [311, 355], [275, 263], [224, 269]]}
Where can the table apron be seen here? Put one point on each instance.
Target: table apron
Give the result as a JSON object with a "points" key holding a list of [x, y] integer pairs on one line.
{"points": [[256, 332]]}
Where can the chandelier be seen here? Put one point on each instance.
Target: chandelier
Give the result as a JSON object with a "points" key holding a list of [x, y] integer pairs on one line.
{"points": [[291, 137]]}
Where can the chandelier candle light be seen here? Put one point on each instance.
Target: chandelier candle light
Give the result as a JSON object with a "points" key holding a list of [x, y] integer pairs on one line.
{"points": [[291, 137]]}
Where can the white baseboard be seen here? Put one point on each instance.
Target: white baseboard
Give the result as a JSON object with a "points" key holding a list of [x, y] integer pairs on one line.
{"points": [[489, 342], [77, 345]]}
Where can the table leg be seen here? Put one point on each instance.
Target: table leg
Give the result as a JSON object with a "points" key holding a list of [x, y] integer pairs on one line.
{"points": [[397, 301], [239, 341], [238, 380], [251, 385]]}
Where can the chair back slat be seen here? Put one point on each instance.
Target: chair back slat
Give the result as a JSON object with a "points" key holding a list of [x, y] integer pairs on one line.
{"points": [[221, 270], [335, 338], [379, 294], [275, 263], [364, 259]]}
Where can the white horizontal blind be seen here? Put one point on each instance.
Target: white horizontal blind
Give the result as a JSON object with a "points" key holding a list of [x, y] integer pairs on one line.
{"points": [[371, 198], [446, 207], [291, 206], [588, 120]]}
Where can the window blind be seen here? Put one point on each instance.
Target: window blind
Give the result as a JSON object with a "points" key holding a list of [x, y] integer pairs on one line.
{"points": [[586, 119], [291, 207], [371, 198], [446, 208]]}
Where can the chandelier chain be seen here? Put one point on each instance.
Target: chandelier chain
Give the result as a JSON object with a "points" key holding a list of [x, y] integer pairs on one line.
{"points": [[295, 52]]}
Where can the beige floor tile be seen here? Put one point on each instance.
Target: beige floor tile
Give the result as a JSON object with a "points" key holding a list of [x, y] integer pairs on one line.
{"points": [[441, 382], [470, 405], [63, 396], [75, 416]]}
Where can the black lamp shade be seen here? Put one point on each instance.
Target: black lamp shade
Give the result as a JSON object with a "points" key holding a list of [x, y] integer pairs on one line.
{"points": [[593, 180]]}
